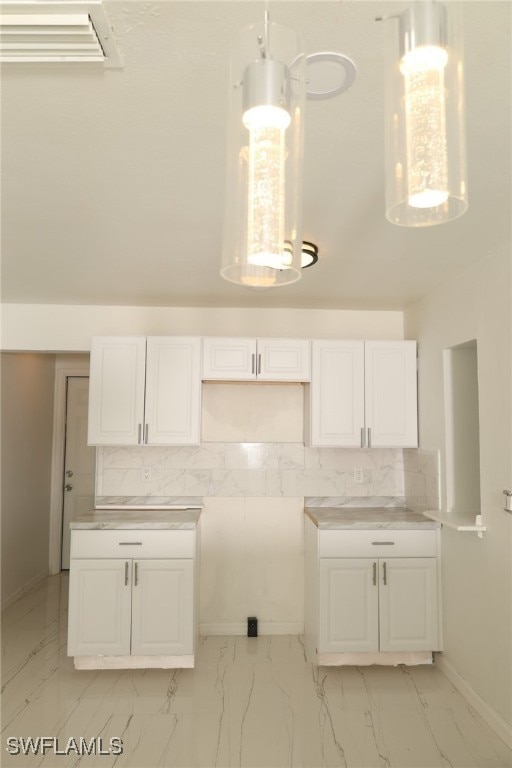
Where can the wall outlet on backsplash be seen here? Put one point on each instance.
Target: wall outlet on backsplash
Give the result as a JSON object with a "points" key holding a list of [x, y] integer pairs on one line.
{"points": [[358, 476], [146, 474]]}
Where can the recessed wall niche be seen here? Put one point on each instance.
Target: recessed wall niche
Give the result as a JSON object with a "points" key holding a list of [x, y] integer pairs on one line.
{"points": [[252, 412], [462, 431]]}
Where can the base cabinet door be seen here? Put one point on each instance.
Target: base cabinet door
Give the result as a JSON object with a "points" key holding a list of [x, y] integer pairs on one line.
{"points": [[99, 608], [348, 618], [408, 604], [162, 607]]}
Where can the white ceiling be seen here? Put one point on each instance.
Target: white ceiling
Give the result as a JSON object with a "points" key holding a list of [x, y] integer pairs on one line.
{"points": [[113, 180]]}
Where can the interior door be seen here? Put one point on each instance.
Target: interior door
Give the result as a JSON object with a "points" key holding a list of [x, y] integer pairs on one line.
{"points": [[79, 458]]}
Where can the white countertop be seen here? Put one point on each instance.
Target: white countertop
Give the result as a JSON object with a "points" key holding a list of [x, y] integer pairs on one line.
{"points": [[149, 519], [369, 518]]}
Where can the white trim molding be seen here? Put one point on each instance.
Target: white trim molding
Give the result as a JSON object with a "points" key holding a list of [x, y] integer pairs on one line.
{"points": [[65, 365], [264, 628], [25, 589], [500, 726]]}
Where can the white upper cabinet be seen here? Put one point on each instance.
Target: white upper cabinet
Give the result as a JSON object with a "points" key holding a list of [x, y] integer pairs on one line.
{"points": [[363, 394], [229, 359], [337, 393], [247, 359], [283, 360], [140, 396], [173, 390], [116, 390], [391, 393]]}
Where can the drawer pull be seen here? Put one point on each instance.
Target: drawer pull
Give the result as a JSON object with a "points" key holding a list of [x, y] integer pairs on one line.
{"points": [[130, 543], [386, 543]]}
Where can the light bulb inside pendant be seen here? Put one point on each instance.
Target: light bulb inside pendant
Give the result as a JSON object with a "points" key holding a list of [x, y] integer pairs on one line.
{"points": [[266, 123], [425, 115], [265, 188]]}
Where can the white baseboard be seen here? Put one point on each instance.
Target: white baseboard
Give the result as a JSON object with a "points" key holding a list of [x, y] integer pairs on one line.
{"points": [[503, 729], [22, 591], [264, 628]]}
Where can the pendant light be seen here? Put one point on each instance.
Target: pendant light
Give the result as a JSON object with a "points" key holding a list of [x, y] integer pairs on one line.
{"points": [[262, 208], [425, 141]]}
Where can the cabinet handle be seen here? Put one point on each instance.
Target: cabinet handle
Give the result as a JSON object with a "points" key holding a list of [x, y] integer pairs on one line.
{"points": [[384, 571], [130, 543], [375, 574], [126, 573], [386, 543], [146, 433], [139, 433], [362, 437], [369, 437], [259, 363], [253, 363], [136, 576]]}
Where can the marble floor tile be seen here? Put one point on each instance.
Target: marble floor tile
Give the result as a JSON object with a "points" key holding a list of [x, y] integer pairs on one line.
{"points": [[249, 702]]}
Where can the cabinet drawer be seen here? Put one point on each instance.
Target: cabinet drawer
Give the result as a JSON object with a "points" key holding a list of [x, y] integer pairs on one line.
{"points": [[133, 543], [384, 542]]}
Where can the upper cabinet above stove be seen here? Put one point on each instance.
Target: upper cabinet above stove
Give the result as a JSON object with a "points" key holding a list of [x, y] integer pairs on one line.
{"points": [[246, 359]]}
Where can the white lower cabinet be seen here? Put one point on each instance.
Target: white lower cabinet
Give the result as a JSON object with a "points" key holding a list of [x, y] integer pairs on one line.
{"points": [[372, 596], [162, 607], [131, 611], [378, 605]]}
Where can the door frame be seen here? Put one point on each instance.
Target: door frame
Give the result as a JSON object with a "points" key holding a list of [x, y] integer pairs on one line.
{"points": [[65, 366]]}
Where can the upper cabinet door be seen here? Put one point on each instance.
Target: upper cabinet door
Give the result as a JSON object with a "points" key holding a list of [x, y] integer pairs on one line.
{"points": [[283, 360], [337, 393], [173, 391], [391, 393], [229, 359], [116, 390]]}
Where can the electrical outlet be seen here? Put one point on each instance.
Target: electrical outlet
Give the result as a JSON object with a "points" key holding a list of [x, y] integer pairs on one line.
{"points": [[358, 476], [146, 474]]}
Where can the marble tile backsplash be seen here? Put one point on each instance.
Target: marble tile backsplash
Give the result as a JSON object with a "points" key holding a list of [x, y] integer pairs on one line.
{"points": [[249, 469], [421, 479]]}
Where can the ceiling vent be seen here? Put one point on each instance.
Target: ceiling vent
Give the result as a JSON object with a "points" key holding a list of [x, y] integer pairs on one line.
{"points": [[34, 32]]}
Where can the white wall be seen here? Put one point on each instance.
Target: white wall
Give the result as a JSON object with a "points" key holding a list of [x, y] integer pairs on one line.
{"points": [[27, 422], [477, 573], [55, 328]]}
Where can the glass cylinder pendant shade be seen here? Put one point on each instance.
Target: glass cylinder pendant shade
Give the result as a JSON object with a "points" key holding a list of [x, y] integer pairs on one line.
{"points": [[262, 232], [425, 139]]}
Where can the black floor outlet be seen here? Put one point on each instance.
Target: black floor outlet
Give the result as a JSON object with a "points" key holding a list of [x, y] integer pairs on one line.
{"points": [[252, 626]]}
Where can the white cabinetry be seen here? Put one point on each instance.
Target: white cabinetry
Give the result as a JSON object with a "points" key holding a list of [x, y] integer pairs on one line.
{"points": [[145, 391], [365, 602], [246, 359], [363, 394], [128, 605]]}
